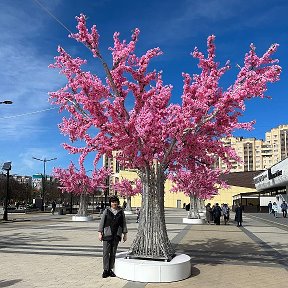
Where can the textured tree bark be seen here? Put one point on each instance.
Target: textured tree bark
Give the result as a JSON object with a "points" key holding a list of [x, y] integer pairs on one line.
{"points": [[152, 240], [202, 205], [194, 210], [83, 205], [128, 207]]}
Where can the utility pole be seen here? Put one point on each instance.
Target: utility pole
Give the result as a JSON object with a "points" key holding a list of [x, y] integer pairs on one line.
{"points": [[43, 178], [7, 168]]}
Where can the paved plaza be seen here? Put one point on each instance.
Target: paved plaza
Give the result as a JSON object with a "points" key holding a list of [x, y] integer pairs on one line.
{"points": [[43, 250]]}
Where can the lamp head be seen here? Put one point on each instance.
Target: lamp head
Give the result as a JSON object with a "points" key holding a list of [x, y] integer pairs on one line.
{"points": [[6, 166], [6, 102]]}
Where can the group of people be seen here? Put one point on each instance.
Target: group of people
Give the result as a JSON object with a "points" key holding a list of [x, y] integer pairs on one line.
{"points": [[273, 209], [214, 214]]}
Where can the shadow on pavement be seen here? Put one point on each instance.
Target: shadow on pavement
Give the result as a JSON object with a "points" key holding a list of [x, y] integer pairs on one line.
{"points": [[220, 251], [8, 283]]}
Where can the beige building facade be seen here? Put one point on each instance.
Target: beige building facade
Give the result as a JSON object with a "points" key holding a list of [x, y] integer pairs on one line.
{"points": [[238, 184], [255, 154], [175, 200]]}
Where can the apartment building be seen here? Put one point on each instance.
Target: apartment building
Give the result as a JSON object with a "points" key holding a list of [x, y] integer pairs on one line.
{"points": [[258, 154], [113, 164], [277, 138], [23, 179], [176, 200], [255, 155]]}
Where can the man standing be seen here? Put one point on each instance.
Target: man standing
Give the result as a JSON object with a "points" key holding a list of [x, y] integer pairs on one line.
{"points": [[270, 207], [284, 209], [112, 226], [226, 213], [53, 207], [238, 215], [217, 214]]}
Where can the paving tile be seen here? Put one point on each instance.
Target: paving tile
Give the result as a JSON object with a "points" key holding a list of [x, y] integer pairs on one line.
{"points": [[56, 252]]}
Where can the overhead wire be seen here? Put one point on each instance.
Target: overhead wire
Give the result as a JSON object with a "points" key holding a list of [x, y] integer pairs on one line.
{"points": [[66, 28], [52, 15], [29, 113]]}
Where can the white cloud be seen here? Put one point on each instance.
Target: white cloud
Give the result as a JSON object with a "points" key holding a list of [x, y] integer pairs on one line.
{"points": [[24, 75]]}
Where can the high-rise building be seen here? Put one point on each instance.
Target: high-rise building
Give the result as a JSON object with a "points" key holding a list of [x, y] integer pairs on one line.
{"points": [[277, 138], [258, 154], [255, 155]]}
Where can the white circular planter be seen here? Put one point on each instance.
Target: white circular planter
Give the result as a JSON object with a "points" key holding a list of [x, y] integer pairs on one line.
{"points": [[128, 212], [202, 215], [142, 270], [82, 218], [193, 221]]}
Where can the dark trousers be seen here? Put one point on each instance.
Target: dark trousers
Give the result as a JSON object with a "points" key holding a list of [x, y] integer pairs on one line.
{"points": [[217, 220], [284, 213], [109, 253]]}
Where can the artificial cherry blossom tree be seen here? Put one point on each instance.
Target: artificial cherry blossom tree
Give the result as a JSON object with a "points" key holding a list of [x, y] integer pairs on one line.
{"points": [[199, 184], [154, 136], [78, 183], [127, 189]]}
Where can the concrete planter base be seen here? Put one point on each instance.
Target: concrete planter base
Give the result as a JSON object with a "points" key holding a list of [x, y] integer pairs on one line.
{"points": [[202, 215], [128, 212], [193, 221], [80, 218], [142, 270]]}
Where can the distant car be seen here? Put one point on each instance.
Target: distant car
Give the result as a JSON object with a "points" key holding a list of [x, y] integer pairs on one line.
{"points": [[11, 208]]}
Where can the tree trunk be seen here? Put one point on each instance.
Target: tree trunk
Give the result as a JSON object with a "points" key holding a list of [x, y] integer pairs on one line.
{"points": [[193, 212], [202, 205], [128, 207], [83, 205], [152, 240]]}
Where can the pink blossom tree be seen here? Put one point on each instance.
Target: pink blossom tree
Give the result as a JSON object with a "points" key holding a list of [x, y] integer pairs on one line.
{"points": [[154, 136], [78, 183], [199, 184], [128, 189]]}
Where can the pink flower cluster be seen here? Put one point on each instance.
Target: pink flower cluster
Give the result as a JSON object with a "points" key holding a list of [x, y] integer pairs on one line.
{"points": [[203, 183], [77, 182], [178, 136], [128, 188]]}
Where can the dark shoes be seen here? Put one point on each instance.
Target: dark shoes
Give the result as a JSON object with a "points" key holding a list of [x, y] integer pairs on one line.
{"points": [[111, 273], [107, 273]]}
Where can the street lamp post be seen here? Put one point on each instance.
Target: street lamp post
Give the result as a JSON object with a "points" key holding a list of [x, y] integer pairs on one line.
{"points": [[43, 178], [7, 168]]}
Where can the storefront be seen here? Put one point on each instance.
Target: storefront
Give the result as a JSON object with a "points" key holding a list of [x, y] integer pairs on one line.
{"points": [[272, 184]]}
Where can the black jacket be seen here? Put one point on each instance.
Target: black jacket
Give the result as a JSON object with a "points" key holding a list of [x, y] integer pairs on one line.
{"points": [[112, 226]]}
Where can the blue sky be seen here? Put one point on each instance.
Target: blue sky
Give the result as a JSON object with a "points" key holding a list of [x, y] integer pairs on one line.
{"points": [[30, 36]]}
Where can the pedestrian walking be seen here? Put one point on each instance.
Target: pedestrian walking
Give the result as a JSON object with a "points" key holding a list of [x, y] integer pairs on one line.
{"points": [[270, 207], [187, 208], [275, 209], [53, 207], [208, 213], [284, 209], [217, 214], [226, 213], [112, 229], [238, 215], [102, 206]]}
